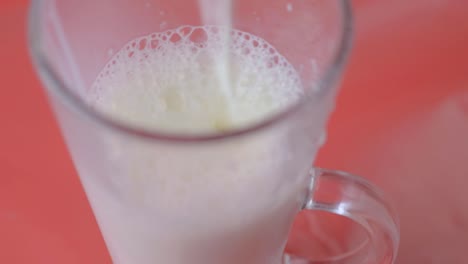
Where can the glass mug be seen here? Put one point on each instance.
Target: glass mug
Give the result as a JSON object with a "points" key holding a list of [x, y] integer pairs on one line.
{"points": [[228, 197]]}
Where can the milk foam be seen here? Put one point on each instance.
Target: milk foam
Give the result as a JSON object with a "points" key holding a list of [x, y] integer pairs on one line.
{"points": [[168, 81]]}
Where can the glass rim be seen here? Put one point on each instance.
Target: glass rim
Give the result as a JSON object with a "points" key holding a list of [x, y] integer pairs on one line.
{"points": [[56, 86]]}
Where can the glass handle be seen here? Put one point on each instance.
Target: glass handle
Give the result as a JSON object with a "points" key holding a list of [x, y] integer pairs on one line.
{"points": [[345, 220]]}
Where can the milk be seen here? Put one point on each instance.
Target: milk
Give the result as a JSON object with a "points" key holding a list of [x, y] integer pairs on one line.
{"points": [[225, 202], [176, 88]]}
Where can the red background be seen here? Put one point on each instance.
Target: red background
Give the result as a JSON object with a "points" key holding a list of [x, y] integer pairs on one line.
{"points": [[401, 121]]}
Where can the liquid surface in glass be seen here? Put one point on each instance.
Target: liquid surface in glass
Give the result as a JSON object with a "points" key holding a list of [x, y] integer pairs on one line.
{"points": [[171, 81]]}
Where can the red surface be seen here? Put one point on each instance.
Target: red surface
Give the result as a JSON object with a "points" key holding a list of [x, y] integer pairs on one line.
{"points": [[400, 121]]}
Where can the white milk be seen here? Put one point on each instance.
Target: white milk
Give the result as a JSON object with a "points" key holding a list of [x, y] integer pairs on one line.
{"points": [[219, 13], [175, 86], [208, 203]]}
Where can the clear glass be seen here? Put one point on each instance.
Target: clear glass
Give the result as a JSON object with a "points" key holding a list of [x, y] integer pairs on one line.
{"points": [[229, 197]]}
